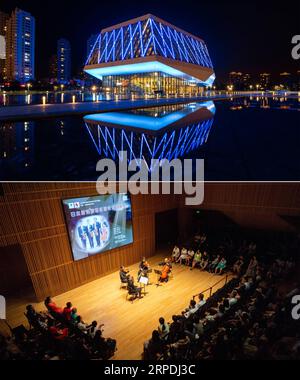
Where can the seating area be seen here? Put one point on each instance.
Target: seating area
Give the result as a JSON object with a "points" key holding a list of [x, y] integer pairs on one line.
{"points": [[248, 318], [197, 253], [56, 334]]}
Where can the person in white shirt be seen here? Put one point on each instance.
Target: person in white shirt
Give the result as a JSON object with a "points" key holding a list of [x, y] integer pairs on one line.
{"points": [[192, 309], [201, 302], [190, 256], [92, 329], [81, 325], [183, 256], [175, 254], [163, 328]]}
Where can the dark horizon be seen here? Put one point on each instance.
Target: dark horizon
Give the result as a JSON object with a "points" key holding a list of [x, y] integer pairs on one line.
{"points": [[251, 38]]}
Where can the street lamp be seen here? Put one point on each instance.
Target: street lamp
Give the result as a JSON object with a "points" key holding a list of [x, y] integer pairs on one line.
{"points": [[28, 86], [62, 87]]}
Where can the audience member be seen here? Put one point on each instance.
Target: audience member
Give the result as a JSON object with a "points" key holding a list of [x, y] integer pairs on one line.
{"points": [[175, 254], [221, 266], [197, 259], [204, 261], [163, 328], [184, 255]]}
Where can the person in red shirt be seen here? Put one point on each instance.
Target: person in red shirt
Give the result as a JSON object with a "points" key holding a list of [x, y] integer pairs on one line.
{"points": [[56, 333], [68, 311], [51, 306]]}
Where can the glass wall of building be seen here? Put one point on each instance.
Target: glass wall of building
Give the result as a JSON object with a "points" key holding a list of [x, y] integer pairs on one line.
{"points": [[150, 85]]}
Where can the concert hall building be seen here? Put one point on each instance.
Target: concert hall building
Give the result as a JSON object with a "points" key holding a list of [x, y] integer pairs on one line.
{"points": [[147, 56]]}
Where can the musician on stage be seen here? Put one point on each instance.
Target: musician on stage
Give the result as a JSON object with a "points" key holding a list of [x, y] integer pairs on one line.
{"points": [[144, 268], [166, 271], [132, 288], [168, 262], [124, 276]]}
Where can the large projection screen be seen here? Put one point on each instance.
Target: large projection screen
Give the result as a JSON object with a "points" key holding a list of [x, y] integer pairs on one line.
{"points": [[98, 224]]}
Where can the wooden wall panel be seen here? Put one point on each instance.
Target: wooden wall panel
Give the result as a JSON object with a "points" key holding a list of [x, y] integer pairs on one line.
{"points": [[251, 205], [256, 195]]}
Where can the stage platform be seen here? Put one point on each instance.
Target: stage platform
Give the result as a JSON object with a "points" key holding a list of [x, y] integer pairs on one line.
{"points": [[131, 324]]}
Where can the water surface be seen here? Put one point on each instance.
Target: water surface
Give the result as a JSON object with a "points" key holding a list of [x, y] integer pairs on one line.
{"points": [[254, 139]]}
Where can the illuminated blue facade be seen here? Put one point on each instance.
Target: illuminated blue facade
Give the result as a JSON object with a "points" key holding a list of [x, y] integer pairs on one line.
{"points": [[150, 45], [172, 134]]}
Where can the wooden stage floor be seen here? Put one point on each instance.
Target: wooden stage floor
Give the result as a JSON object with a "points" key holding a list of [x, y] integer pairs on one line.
{"points": [[131, 324]]}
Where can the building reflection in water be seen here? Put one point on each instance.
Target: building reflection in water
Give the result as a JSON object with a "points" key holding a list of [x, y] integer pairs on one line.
{"points": [[167, 132], [17, 144]]}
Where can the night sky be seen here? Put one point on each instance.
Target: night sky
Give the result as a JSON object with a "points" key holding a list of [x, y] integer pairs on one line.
{"points": [[252, 36]]}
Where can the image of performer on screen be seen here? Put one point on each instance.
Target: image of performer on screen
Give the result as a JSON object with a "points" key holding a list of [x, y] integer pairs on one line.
{"points": [[82, 235], [92, 234], [91, 228], [98, 231]]}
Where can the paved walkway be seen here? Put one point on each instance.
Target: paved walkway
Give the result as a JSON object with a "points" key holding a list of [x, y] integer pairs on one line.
{"points": [[30, 112]]}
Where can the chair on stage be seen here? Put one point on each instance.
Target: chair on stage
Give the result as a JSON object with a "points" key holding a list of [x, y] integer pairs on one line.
{"points": [[123, 283], [132, 295]]}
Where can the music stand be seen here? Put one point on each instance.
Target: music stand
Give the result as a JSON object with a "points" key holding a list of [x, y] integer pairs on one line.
{"points": [[144, 281], [148, 273]]}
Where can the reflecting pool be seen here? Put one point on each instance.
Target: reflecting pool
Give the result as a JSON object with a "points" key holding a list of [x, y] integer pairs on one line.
{"points": [[246, 139]]}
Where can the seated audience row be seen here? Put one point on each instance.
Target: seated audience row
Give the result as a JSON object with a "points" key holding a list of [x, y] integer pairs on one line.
{"points": [[213, 264], [246, 319], [58, 333]]}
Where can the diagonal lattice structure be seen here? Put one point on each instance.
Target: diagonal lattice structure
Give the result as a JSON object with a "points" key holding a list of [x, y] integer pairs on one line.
{"points": [[173, 141], [149, 44], [109, 142]]}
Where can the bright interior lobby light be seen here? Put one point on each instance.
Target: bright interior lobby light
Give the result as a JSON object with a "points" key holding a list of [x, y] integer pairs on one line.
{"points": [[144, 67]]}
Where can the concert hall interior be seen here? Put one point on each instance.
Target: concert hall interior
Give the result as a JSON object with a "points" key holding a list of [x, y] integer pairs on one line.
{"points": [[165, 279]]}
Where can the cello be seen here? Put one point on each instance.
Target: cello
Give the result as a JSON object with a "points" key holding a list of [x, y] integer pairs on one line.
{"points": [[165, 271]]}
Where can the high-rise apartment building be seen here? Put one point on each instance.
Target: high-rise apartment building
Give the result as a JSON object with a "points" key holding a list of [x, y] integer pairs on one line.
{"points": [[3, 27], [20, 46], [63, 61]]}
